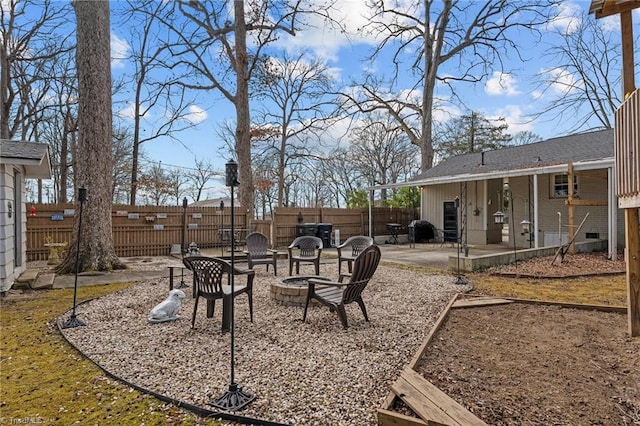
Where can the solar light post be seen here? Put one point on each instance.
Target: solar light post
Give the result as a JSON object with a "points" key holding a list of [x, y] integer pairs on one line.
{"points": [[234, 398], [73, 321], [221, 229], [183, 247]]}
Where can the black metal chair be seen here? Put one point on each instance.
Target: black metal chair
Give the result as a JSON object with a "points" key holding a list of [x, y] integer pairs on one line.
{"points": [[305, 249], [336, 295], [211, 280], [357, 244], [258, 252]]}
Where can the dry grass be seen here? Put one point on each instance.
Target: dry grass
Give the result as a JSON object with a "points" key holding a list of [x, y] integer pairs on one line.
{"points": [[45, 381], [607, 290]]}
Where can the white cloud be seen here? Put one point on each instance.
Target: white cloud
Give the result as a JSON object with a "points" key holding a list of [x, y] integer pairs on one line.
{"points": [[514, 118], [128, 112], [326, 41], [563, 82], [610, 23], [410, 95], [568, 18], [119, 51], [501, 84], [196, 115], [443, 110]]}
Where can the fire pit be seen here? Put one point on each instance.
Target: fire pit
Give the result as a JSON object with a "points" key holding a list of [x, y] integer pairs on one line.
{"points": [[292, 291]]}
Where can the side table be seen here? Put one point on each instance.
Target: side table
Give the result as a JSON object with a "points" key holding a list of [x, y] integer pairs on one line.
{"points": [[171, 272]]}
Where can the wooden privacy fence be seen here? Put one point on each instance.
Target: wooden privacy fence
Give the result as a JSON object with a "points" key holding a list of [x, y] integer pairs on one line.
{"points": [[155, 230]]}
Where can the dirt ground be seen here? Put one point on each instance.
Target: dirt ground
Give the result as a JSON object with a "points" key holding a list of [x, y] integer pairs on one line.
{"points": [[523, 364]]}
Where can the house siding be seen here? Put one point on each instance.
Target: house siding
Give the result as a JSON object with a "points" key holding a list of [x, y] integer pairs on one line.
{"points": [[8, 273], [486, 196]]}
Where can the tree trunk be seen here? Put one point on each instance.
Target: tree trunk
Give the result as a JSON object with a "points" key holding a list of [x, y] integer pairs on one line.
{"points": [[4, 92], [243, 118], [94, 158]]}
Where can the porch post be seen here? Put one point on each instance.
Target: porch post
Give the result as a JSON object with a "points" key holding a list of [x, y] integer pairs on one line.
{"points": [[534, 228], [370, 215], [612, 216]]}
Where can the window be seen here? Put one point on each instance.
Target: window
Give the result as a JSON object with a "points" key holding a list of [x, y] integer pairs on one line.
{"points": [[560, 186]]}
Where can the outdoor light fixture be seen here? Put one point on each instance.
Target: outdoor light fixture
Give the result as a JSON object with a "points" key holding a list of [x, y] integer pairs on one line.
{"points": [[526, 226], [234, 398], [498, 217], [73, 321], [231, 175]]}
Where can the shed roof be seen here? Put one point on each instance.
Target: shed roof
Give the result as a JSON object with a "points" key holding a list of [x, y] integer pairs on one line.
{"points": [[591, 150], [34, 157]]}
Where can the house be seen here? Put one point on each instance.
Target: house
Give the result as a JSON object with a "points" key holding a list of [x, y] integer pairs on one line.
{"points": [[543, 190], [215, 202], [18, 162]]}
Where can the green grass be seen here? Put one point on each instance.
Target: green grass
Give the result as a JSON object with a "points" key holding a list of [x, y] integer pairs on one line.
{"points": [[46, 381]]}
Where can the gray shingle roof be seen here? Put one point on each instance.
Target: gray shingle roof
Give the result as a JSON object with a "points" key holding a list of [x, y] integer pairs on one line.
{"points": [[33, 156], [22, 150], [592, 146]]}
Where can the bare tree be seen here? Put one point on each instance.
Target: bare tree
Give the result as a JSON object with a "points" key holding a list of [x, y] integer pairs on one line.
{"points": [[341, 176], [296, 91], [156, 185], [33, 38], [585, 82], [381, 151], [216, 55], [94, 158], [121, 149], [31, 33], [177, 180], [59, 123], [423, 36], [153, 91], [200, 176], [525, 137]]}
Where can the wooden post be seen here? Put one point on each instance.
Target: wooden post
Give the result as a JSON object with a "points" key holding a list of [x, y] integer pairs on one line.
{"points": [[632, 258], [626, 28], [570, 209]]}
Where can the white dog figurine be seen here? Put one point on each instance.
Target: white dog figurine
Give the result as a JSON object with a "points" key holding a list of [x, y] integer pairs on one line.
{"points": [[167, 310]]}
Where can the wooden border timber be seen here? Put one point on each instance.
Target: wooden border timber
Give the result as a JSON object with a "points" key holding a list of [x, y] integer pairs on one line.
{"points": [[627, 140], [437, 407], [433, 406]]}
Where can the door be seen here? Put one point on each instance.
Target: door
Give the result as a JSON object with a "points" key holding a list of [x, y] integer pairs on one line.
{"points": [[450, 222]]}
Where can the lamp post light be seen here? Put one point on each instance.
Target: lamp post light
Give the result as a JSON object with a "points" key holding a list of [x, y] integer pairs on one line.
{"points": [[183, 247], [221, 229], [234, 398], [73, 321]]}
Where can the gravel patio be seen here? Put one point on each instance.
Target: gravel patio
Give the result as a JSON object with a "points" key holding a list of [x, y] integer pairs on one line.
{"points": [[313, 373]]}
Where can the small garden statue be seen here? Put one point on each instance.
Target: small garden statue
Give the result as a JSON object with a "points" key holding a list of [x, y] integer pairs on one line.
{"points": [[193, 250], [167, 310]]}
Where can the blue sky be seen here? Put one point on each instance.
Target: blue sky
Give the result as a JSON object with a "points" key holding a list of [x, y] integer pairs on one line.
{"points": [[513, 96]]}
